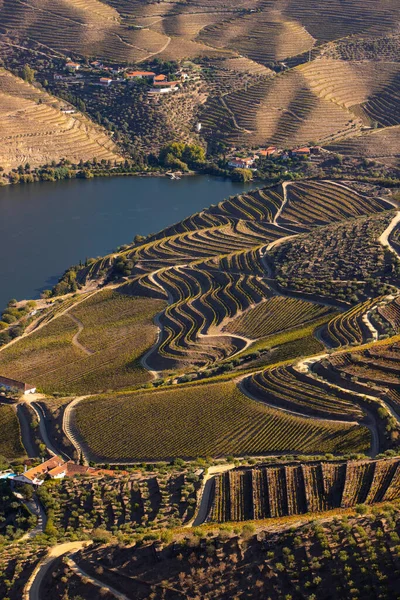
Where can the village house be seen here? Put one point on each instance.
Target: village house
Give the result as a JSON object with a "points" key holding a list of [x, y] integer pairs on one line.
{"points": [[164, 87], [140, 74], [159, 78], [267, 152], [105, 81], [35, 476], [96, 64], [72, 66], [13, 384], [241, 163], [305, 151]]}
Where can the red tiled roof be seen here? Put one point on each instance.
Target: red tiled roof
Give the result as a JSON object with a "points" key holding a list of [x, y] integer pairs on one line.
{"points": [[140, 74], [44, 467]]}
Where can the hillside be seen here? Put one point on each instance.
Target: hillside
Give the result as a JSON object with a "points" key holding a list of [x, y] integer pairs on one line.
{"points": [[35, 130], [321, 81], [353, 556], [240, 295]]}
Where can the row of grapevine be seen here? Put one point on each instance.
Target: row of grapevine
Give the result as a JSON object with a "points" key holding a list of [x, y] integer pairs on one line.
{"points": [[348, 327], [279, 491], [288, 389], [201, 300], [320, 203], [275, 315]]}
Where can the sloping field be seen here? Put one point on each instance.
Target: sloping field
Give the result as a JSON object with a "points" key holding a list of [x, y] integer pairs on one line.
{"points": [[87, 27], [275, 315], [204, 420], [268, 492], [10, 434], [247, 34], [94, 346], [348, 83], [284, 111], [33, 129], [379, 144], [329, 21]]}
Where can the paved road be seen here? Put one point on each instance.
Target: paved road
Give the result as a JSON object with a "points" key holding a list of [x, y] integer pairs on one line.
{"points": [[204, 501], [43, 432], [26, 432]]}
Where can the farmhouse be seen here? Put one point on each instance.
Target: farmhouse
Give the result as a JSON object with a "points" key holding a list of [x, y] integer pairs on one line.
{"points": [[13, 384], [158, 78], [241, 163], [270, 151], [140, 74], [106, 81], [73, 66], [70, 469], [35, 475], [164, 87]]}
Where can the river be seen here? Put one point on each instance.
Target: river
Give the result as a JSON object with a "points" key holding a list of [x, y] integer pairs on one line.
{"points": [[47, 227]]}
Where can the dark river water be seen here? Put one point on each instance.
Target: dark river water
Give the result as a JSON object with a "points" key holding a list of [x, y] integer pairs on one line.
{"points": [[47, 227]]}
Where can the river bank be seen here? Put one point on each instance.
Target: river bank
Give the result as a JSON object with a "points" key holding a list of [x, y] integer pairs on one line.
{"points": [[45, 229]]}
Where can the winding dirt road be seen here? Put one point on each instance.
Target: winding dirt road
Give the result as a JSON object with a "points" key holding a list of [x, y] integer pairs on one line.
{"points": [[384, 238], [32, 588], [75, 339]]}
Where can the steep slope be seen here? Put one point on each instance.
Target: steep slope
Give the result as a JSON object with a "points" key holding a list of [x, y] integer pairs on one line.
{"points": [[34, 129]]}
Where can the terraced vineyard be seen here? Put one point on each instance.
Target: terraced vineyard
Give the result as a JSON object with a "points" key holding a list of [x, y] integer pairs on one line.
{"points": [[274, 315], [270, 492], [350, 327], [253, 284], [373, 371], [288, 389], [34, 130], [10, 439], [202, 420]]}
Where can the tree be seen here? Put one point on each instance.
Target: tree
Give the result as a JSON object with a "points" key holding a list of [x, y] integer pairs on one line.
{"points": [[28, 74], [242, 175], [194, 154]]}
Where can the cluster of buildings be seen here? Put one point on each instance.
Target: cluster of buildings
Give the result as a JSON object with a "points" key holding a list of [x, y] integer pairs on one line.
{"points": [[55, 468], [271, 152], [159, 83]]}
